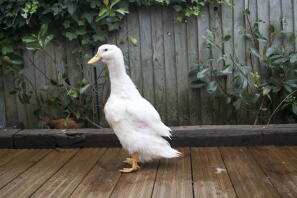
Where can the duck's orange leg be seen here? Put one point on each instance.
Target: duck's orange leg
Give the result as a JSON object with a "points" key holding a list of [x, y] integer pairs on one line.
{"points": [[133, 161]]}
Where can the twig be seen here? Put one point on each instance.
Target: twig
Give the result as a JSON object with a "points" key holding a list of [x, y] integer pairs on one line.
{"points": [[92, 122], [279, 105]]}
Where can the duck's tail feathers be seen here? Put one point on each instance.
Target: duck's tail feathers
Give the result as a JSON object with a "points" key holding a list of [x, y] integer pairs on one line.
{"points": [[171, 153]]}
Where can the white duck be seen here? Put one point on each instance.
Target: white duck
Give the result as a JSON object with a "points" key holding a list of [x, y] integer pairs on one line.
{"points": [[134, 120]]}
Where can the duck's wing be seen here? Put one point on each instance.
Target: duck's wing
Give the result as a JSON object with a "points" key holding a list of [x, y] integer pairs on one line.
{"points": [[145, 118]]}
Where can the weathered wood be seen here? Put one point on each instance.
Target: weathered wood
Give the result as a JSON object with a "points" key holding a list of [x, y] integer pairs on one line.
{"points": [[275, 19], [210, 177], [227, 26], [29, 181], [239, 46], [66, 180], [215, 15], [18, 165], [276, 166], [8, 154], [146, 54], [158, 62], [102, 179], [287, 23], [295, 20], [6, 137], [203, 26], [134, 50], [192, 53], [139, 184], [30, 76], [226, 135], [246, 176], [181, 71], [263, 14], [2, 102], [170, 67], [174, 177]]}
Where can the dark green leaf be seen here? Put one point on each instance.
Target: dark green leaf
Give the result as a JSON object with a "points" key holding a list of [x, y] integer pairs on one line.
{"points": [[197, 84], [255, 52], [29, 39], [202, 74], [73, 93], [84, 89], [293, 58], [212, 86], [226, 37]]}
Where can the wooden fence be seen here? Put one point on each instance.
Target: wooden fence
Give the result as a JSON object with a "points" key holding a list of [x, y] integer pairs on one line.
{"points": [[160, 61]]}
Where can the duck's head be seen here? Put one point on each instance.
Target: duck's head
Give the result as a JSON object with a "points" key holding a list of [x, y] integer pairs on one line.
{"points": [[106, 53]]}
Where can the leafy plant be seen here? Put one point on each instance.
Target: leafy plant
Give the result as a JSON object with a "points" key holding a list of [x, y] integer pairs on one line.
{"points": [[258, 93]]}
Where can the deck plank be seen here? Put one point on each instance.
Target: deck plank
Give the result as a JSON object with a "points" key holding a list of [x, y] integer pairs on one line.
{"points": [[174, 177], [17, 165], [248, 179], [25, 184], [278, 168], [210, 178], [8, 154], [138, 184], [64, 182], [102, 179]]}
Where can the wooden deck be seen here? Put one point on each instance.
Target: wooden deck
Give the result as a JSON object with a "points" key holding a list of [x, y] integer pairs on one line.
{"points": [[264, 171]]}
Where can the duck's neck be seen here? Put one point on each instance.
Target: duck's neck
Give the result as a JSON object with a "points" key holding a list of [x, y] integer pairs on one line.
{"points": [[120, 82]]}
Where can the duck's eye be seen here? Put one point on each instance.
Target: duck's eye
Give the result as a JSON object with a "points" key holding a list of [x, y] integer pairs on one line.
{"points": [[105, 50]]}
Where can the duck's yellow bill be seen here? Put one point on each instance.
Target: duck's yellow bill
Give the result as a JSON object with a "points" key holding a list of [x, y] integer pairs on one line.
{"points": [[95, 59]]}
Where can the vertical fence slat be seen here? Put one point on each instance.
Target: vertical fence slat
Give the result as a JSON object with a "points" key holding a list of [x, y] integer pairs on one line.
{"points": [[288, 23], [134, 50], [10, 101], [274, 18], [181, 71], [170, 67], [239, 45], [158, 62], [2, 102], [215, 12], [192, 53], [227, 26], [30, 76], [203, 26], [263, 14], [146, 54], [295, 21]]}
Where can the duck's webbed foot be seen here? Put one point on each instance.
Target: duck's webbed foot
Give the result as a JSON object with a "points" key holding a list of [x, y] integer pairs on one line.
{"points": [[133, 161]]}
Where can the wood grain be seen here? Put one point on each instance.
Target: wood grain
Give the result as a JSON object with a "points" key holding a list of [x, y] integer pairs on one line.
{"points": [[279, 169], [174, 177], [29, 181], [138, 184], [210, 177], [103, 177], [170, 67], [158, 63], [65, 181], [18, 165], [246, 176]]}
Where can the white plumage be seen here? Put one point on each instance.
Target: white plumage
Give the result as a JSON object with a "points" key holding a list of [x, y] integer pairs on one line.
{"points": [[134, 120]]}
